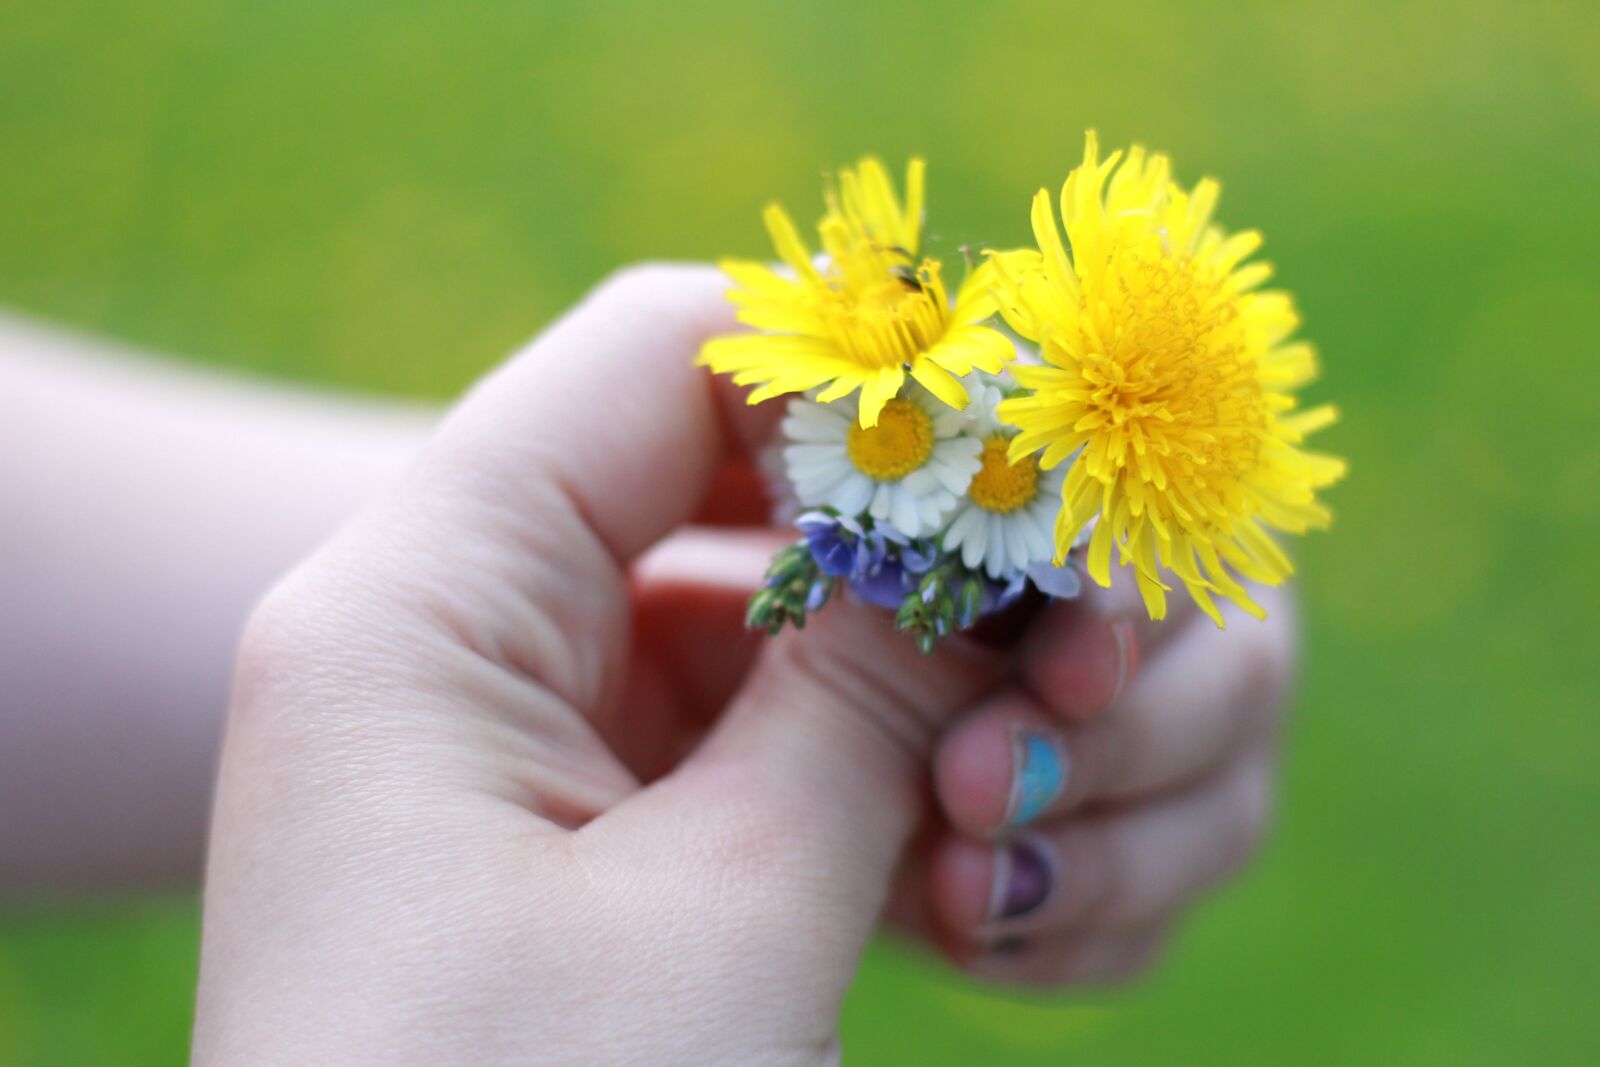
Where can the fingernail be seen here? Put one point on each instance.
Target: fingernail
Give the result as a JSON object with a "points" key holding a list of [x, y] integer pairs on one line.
{"points": [[1022, 879], [1127, 654], [1038, 775]]}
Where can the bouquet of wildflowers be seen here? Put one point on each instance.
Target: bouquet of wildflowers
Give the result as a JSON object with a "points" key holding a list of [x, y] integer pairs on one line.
{"points": [[1129, 388]]}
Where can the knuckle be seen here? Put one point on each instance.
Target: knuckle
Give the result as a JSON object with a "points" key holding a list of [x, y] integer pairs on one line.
{"points": [[1107, 753], [1131, 738], [741, 845], [1096, 752], [274, 636], [680, 300], [1043, 975], [1105, 977], [1090, 890], [643, 282], [306, 645], [1260, 685], [851, 677], [1250, 809], [1274, 653], [1084, 961], [746, 850], [1134, 964], [275, 655], [1255, 806], [631, 279], [1016, 962], [772, 884]]}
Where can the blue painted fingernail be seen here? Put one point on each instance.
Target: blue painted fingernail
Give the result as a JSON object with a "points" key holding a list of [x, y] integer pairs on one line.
{"points": [[1038, 775]]}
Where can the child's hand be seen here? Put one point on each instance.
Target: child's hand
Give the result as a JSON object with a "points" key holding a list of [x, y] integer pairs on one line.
{"points": [[427, 707], [1125, 771]]}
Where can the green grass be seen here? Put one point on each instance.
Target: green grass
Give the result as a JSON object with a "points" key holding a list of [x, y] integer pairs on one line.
{"points": [[390, 195]]}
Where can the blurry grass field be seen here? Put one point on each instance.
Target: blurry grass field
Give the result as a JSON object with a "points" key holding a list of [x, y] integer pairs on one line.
{"points": [[388, 196]]}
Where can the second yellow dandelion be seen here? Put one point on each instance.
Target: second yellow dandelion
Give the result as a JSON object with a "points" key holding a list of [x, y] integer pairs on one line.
{"points": [[1167, 380]]}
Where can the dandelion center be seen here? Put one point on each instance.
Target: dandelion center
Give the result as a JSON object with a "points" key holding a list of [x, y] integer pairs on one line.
{"points": [[901, 442], [879, 308], [1174, 392], [1000, 485]]}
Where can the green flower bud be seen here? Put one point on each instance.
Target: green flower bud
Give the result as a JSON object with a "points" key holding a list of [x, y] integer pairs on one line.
{"points": [[971, 602]]}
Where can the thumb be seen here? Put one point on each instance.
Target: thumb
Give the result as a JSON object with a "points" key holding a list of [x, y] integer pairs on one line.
{"points": [[827, 748]]}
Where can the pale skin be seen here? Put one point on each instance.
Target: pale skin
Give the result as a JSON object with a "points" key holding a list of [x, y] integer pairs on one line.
{"points": [[143, 508], [504, 782]]}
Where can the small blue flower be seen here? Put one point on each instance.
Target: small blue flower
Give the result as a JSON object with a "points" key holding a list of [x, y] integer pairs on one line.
{"points": [[1063, 582], [886, 586], [879, 563], [844, 549], [871, 553], [919, 556], [835, 555], [997, 596], [832, 543]]}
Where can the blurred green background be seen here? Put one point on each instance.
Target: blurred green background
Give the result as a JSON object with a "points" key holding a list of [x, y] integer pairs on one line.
{"points": [[388, 195]]}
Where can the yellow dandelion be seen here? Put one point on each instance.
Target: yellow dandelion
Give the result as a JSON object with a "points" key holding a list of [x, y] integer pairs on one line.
{"points": [[864, 315], [1169, 376]]}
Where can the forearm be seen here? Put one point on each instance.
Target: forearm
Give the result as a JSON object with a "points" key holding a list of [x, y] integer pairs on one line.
{"points": [[143, 508]]}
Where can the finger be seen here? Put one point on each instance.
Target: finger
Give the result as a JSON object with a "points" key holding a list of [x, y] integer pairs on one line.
{"points": [[691, 649], [909, 911], [1094, 959], [503, 549], [1078, 661], [566, 462], [817, 771], [1206, 696], [695, 556], [739, 495], [1121, 600], [1121, 868], [1080, 655], [607, 407]]}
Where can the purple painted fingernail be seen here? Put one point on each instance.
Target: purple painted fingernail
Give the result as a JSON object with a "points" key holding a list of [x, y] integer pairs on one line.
{"points": [[1022, 879]]}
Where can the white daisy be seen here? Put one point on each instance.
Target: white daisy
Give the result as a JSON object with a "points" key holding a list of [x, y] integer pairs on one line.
{"points": [[1006, 520], [984, 393], [908, 471]]}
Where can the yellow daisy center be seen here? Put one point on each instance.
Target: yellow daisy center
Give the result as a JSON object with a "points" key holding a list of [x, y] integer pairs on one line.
{"points": [[1174, 379], [901, 442], [1000, 485]]}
